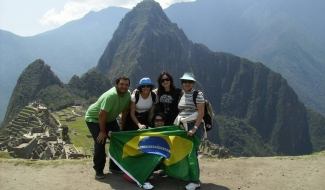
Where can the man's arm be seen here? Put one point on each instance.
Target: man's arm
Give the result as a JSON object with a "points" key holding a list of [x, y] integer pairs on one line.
{"points": [[134, 119], [102, 122], [123, 119]]}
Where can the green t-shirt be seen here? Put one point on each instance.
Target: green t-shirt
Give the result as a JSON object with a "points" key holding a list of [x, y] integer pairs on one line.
{"points": [[111, 102]]}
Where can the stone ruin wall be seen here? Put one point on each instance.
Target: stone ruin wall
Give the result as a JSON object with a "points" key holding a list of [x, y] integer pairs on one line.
{"points": [[25, 151], [43, 152], [35, 147], [4, 142], [44, 148], [210, 149]]}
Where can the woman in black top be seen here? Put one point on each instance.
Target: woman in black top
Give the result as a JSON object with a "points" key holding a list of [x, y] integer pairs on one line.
{"points": [[168, 96]]}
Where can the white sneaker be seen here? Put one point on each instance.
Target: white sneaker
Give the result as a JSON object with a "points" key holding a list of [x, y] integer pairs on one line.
{"points": [[147, 185], [192, 186], [161, 172]]}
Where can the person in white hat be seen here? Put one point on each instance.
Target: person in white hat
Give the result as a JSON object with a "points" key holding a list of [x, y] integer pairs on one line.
{"points": [[190, 115]]}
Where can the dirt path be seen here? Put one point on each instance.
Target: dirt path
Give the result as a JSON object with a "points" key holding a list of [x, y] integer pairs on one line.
{"points": [[307, 172]]}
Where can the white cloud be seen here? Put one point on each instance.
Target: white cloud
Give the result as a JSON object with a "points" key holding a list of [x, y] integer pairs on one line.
{"points": [[166, 3], [71, 11], [76, 9]]}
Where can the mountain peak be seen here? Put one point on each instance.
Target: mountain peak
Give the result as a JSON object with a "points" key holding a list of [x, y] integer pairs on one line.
{"points": [[145, 33], [147, 42], [35, 77]]}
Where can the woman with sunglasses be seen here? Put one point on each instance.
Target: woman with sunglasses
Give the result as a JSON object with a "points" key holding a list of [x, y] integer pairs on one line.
{"points": [[139, 110], [190, 115], [158, 120], [168, 96]]}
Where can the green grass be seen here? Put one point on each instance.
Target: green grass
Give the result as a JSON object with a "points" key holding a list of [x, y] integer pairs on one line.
{"points": [[5, 155], [29, 111], [80, 140], [60, 112]]}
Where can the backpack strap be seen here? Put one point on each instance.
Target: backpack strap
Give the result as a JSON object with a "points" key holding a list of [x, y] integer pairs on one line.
{"points": [[181, 93], [153, 97], [196, 92], [137, 95]]}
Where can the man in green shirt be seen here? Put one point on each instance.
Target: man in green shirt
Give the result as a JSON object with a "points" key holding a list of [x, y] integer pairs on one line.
{"points": [[101, 119]]}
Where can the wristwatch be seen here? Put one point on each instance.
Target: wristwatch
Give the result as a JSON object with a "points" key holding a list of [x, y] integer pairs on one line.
{"points": [[195, 127]]}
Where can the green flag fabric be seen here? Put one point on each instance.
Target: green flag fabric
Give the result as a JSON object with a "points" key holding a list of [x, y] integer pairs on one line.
{"points": [[137, 153]]}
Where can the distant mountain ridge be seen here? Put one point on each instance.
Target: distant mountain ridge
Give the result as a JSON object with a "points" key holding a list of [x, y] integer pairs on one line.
{"points": [[38, 83], [34, 78], [149, 35], [258, 113], [287, 36], [70, 50], [255, 106], [227, 26]]}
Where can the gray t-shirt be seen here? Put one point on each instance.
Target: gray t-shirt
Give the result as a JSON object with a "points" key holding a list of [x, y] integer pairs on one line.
{"points": [[186, 104]]}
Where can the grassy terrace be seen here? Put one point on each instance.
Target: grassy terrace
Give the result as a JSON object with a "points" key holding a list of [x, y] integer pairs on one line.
{"points": [[80, 140], [29, 110]]}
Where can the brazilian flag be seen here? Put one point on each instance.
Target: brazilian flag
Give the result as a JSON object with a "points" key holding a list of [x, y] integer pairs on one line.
{"points": [[137, 153]]}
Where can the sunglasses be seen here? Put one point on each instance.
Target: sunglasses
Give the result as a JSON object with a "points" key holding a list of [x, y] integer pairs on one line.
{"points": [[159, 120], [164, 80], [146, 86], [187, 81]]}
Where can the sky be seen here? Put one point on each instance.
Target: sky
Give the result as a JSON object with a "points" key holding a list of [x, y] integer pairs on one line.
{"points": [[31, 17]]}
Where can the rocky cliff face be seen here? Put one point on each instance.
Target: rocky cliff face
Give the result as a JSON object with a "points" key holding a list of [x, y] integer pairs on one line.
{"points": [[146, 43], [91, 84]]}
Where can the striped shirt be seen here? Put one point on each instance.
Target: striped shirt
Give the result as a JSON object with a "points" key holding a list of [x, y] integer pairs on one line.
{"points": [[186, 104]]}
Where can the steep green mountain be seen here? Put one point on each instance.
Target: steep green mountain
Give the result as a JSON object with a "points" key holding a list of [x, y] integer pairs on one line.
{"points": [[316, 123], [38, 83], [287, 36], [36, 77], [258, 112], [145, 34], [56, 97], [91, 84], [287, 48], [222, 25]]}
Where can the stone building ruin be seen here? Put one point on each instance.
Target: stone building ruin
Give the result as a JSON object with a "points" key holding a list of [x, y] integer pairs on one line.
{"points": [[33, 134], [44, 148], [210, 149]]}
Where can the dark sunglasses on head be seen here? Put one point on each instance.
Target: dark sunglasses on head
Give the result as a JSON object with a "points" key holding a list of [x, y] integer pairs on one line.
{"points": [[147, 86], [163, 80], [187, 81], [159, 120]]}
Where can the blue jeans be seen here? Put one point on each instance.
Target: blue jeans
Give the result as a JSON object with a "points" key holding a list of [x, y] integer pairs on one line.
{"points": [[99, 158], [199, 134]]}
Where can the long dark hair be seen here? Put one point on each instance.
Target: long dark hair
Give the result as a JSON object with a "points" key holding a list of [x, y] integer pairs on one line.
{"points": [[161, 89], [158, 114]]}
